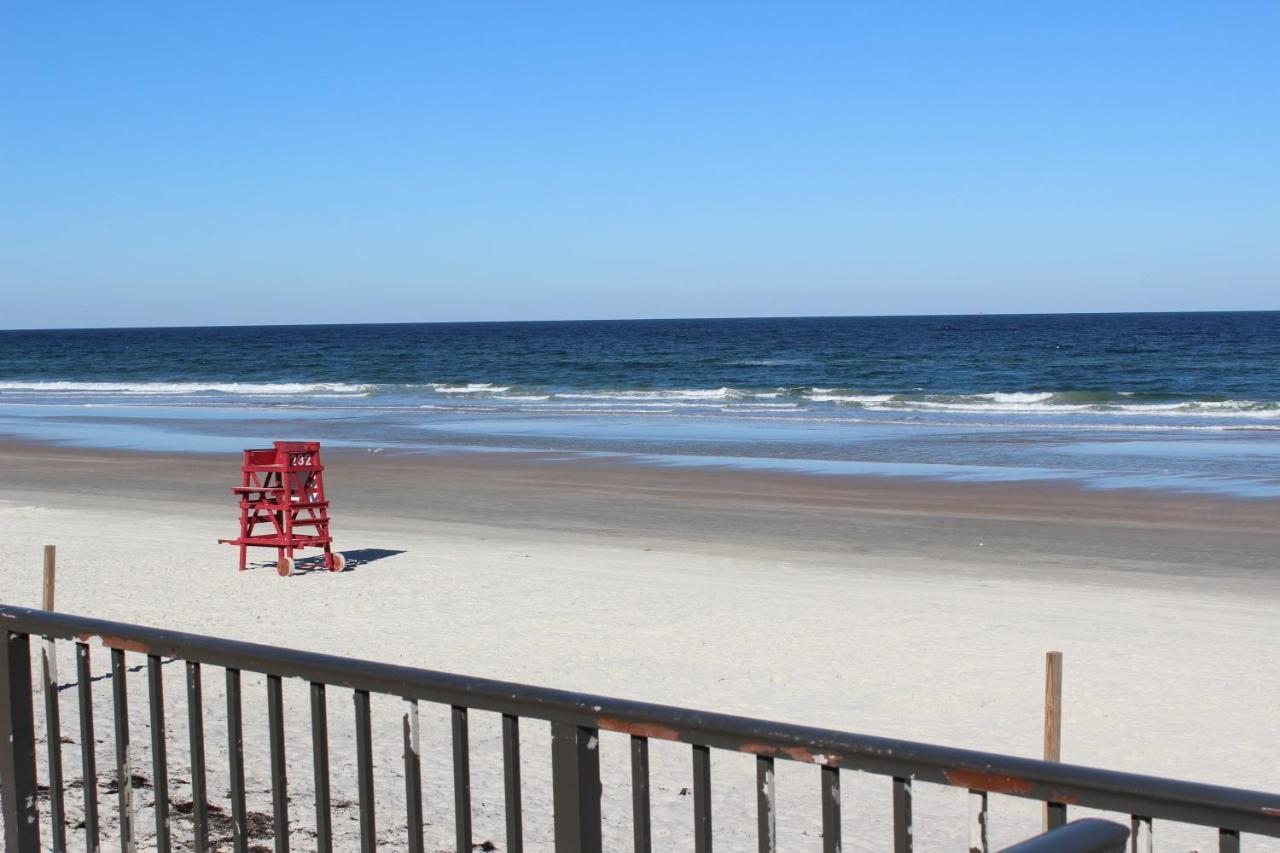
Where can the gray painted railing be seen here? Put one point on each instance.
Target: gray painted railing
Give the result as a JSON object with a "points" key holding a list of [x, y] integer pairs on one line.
{"points": [[1080, 836], [576, 720]]}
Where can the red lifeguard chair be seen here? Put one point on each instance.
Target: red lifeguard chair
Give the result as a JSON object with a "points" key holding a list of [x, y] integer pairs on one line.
{"points": [[283, 505]]}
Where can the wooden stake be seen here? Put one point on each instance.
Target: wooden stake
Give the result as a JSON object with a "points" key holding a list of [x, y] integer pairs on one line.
{"points": [[50, 572], [1052, 713], [49, 670]]}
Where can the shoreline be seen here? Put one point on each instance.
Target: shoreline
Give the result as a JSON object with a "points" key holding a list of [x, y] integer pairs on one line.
{"points": [[1171, 459], [1046, 499]]}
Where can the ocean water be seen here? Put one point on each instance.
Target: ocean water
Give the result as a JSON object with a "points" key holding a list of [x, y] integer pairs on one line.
{"points": [[1169, 401]]}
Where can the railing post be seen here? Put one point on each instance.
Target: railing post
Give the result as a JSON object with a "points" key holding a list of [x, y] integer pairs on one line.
{"points": [[978, 841], [320, 764], [575, 778], [902, 822], [701, 799], [641, 823], [364, 772], [124, 751], [461, 778], [1140, 838], [53, 743], [18, 746], [766, 812]]}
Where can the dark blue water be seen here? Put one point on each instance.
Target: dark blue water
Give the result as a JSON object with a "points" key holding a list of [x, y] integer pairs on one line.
{"points": [[1174, 400], [1083, 359]]}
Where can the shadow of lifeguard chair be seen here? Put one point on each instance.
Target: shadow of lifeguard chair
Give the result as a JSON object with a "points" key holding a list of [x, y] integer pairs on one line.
{"points": [[283, 504]]}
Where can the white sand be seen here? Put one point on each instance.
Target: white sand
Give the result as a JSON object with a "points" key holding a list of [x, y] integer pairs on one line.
{"points": [[1165, 673]]}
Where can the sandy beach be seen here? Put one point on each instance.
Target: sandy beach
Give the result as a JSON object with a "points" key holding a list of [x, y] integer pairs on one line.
{"points": [[903, 608]]}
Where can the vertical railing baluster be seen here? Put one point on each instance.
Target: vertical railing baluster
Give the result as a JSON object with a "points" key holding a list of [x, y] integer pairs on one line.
{"points": [[511, 782], [978, 822], [88, 758], [1055, 815], [18, 795], [830, 809], [124, 760], [461, 778], [1140, 837], [702, 799], [53, 742], [320, 762], [235, 764], [279, 768], [199, 776], [1228, 841], [575, 783], [413, 776], [364, 772], [640, 819], [159, 753], [766, 805], [902, 829]]}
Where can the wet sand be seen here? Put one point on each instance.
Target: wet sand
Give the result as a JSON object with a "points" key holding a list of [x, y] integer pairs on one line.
{"points": [[1031, 527]]}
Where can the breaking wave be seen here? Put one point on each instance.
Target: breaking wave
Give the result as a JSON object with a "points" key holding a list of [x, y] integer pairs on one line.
{"points": [[724, 398]]}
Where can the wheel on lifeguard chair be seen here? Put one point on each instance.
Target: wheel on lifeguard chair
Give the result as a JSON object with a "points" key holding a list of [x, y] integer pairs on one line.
{"points": [[284, 566], [335, 562]]}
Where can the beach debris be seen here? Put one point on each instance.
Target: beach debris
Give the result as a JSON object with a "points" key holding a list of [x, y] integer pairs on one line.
{"points": [[260, 825], [136, 780]]}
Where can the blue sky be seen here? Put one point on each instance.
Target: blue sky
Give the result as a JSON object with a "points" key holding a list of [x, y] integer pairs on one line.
{"points": [[320, 162]]}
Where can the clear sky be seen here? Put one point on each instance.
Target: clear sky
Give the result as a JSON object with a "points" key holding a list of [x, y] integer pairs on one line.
{"points": [[166, 163]]}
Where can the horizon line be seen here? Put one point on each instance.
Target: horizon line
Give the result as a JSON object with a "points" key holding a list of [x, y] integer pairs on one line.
{"points": [[639, 320]]}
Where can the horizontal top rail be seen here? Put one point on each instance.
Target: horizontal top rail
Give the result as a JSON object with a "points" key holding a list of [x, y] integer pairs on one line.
{"points": [[1129, 793]]}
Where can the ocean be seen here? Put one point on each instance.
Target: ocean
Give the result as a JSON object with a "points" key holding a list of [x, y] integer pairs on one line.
{"points": [[1179, 401]]}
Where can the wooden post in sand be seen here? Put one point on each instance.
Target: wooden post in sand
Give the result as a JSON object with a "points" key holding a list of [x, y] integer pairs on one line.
{"points": [[50, 573], [49, 671], [1052, 713]]}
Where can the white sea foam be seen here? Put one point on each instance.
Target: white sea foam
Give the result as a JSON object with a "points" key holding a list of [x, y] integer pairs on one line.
{"points": [[725, 399], [1018, 396], [752, 407], [620, 405], [826, 397], [656, 394], [770, 362], [1228, 408], [1039, 402], [469, 388], [991, 407]]}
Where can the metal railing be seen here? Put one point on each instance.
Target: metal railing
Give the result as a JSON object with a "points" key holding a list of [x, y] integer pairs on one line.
{"points": [[1082, 836], [576, 721]]}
